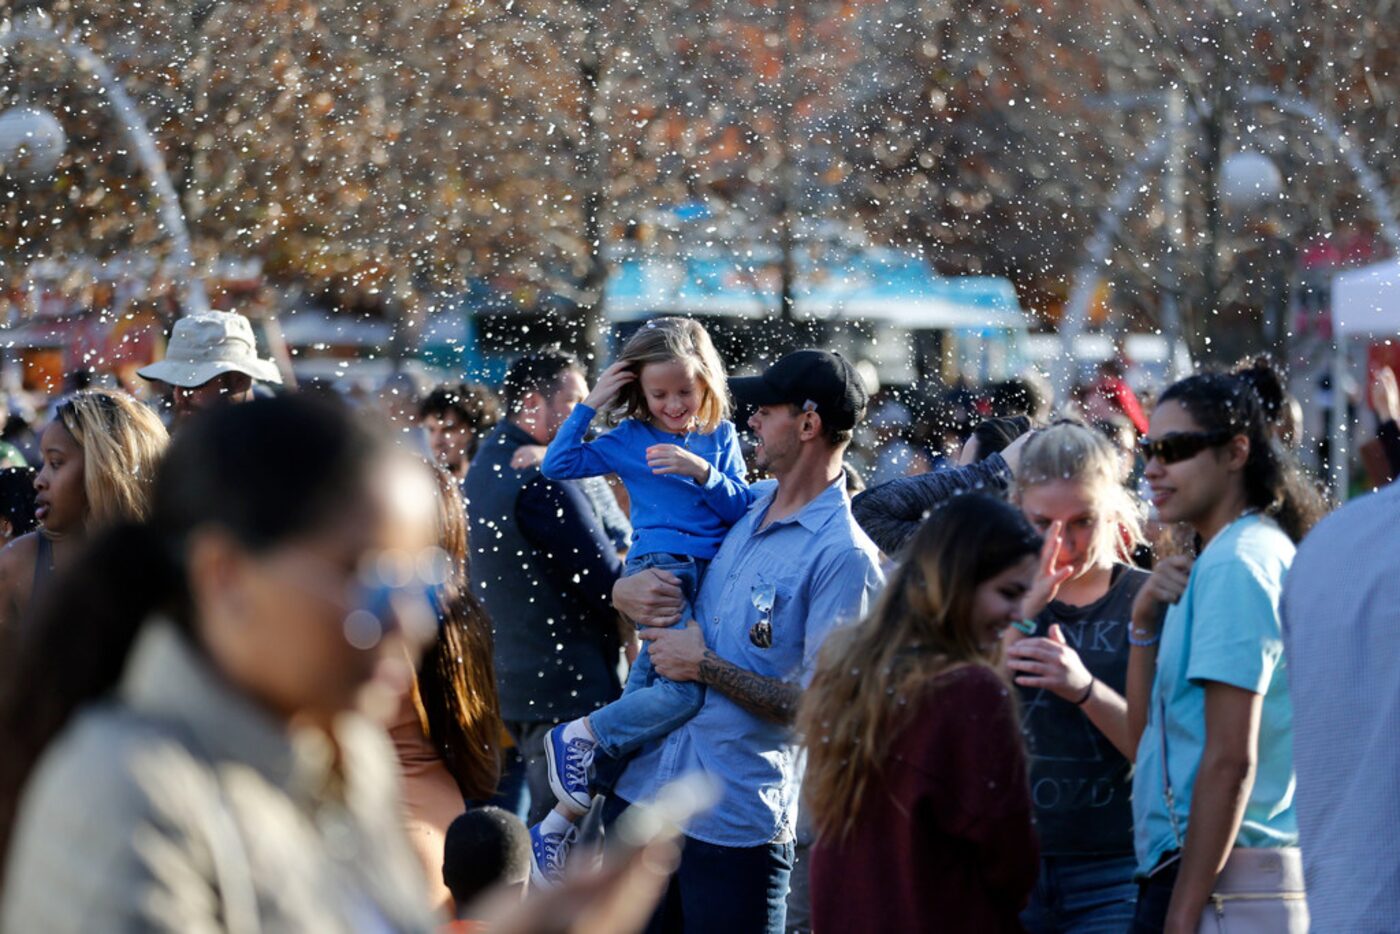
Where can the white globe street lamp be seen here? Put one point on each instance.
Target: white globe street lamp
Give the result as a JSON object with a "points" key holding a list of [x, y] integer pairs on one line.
{"points": [[1249, 179], [31, 143]]}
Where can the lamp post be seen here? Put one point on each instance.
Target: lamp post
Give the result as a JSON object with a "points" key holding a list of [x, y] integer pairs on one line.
{"points": [[1244, 179], [588, 333], [1381, 207], [35, 27], [1249, 183]]}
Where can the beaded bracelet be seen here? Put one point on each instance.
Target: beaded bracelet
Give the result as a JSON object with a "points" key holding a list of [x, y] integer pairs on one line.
{"points": [[1144, 643]]}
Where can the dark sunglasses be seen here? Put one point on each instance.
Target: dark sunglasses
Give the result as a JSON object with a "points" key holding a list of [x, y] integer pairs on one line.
{"points": [[1181, 445], [761, 632]]}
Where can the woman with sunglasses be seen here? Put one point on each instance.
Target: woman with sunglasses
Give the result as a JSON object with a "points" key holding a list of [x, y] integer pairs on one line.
{"points": [[1207, 681], [186, 746]]}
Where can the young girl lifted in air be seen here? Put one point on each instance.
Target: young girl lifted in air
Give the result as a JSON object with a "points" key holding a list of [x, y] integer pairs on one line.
{"points": [[678, 456]]}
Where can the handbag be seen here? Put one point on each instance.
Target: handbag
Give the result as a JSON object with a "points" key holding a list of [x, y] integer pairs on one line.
{"points": [[1259, 891]]}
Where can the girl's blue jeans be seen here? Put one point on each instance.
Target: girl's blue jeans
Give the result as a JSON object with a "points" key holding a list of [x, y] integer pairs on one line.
{"points": [[1082, 895], [652, 706]]}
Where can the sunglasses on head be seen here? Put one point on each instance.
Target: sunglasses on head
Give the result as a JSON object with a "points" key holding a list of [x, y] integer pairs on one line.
{"points": [[1181, 445]]}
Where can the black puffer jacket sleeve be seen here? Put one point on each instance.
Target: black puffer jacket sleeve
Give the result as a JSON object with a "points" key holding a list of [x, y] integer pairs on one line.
{"points": [[892, 512]]}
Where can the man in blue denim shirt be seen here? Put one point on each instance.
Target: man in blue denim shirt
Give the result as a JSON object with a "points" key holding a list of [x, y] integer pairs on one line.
{"points": [[792, 569]]}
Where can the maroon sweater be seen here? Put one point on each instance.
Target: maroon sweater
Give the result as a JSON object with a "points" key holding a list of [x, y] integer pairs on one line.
{"points": [[944, 840]]}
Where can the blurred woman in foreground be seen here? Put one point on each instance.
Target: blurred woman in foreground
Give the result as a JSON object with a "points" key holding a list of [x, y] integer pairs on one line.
{"points": [[185, 744]]}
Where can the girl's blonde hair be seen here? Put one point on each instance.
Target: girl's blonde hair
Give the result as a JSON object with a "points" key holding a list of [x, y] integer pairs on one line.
{"points": [[871, 676], [1079, 454], [122, 443], [662, 340]]}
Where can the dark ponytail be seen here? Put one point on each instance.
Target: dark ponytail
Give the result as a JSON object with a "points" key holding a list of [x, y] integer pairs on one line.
{"points": [[1273, 482], [265, 472], [1261, 374]]}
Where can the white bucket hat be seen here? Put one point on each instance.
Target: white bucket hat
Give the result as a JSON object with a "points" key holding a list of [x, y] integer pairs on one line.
{"points": [[209, 344]]}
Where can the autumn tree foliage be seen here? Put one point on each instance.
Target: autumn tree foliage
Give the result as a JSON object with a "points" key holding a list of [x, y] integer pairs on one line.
{"points": [[369, 148]]}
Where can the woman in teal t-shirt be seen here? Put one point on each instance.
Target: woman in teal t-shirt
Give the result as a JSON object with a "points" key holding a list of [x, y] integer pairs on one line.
{"points": [[1207, 680]]}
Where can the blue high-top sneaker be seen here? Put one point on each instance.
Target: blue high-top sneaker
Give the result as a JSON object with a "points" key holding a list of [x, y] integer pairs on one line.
{"points": [[570, 762]]}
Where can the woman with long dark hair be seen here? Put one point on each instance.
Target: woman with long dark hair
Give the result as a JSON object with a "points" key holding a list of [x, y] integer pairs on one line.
{"points": [[185, 747], [1207, 681], [448, 728], [916, 775]]}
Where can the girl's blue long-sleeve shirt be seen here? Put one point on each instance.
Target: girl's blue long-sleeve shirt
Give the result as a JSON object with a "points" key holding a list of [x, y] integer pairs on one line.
{"points": [[671, 514]]}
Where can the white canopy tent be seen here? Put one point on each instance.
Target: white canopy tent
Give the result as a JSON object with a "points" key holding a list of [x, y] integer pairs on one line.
{"points": [[1365, 303]]}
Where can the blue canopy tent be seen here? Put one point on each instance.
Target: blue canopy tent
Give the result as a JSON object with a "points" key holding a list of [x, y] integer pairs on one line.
{"points": [[885, 292]]}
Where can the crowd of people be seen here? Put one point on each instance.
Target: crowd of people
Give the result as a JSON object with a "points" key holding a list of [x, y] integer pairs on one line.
{"points": [[274, 661]]}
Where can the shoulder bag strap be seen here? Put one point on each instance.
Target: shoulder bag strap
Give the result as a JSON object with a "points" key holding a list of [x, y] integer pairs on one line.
{"points": [[1167, 794]]}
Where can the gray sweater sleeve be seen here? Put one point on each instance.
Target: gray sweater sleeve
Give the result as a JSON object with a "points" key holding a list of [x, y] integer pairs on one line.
{"points": [[892, 512]]}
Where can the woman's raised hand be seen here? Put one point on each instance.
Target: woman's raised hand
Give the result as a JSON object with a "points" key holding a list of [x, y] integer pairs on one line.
{"points": [[1166, 585], [609, 385], [1049, 578]]}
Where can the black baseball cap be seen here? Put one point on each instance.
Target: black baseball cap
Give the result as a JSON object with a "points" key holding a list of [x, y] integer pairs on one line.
{"points": [[821, 379]]}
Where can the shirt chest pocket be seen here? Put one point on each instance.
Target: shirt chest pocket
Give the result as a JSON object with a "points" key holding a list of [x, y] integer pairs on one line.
{"points": [[769, 615]]}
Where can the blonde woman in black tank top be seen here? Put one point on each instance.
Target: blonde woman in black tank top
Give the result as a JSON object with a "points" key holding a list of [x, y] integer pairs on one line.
{"points": [[1072, 673]]}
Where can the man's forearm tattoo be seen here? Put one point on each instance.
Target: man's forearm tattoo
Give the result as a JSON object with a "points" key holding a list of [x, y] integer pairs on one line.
{"points": [[768, 698]]}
